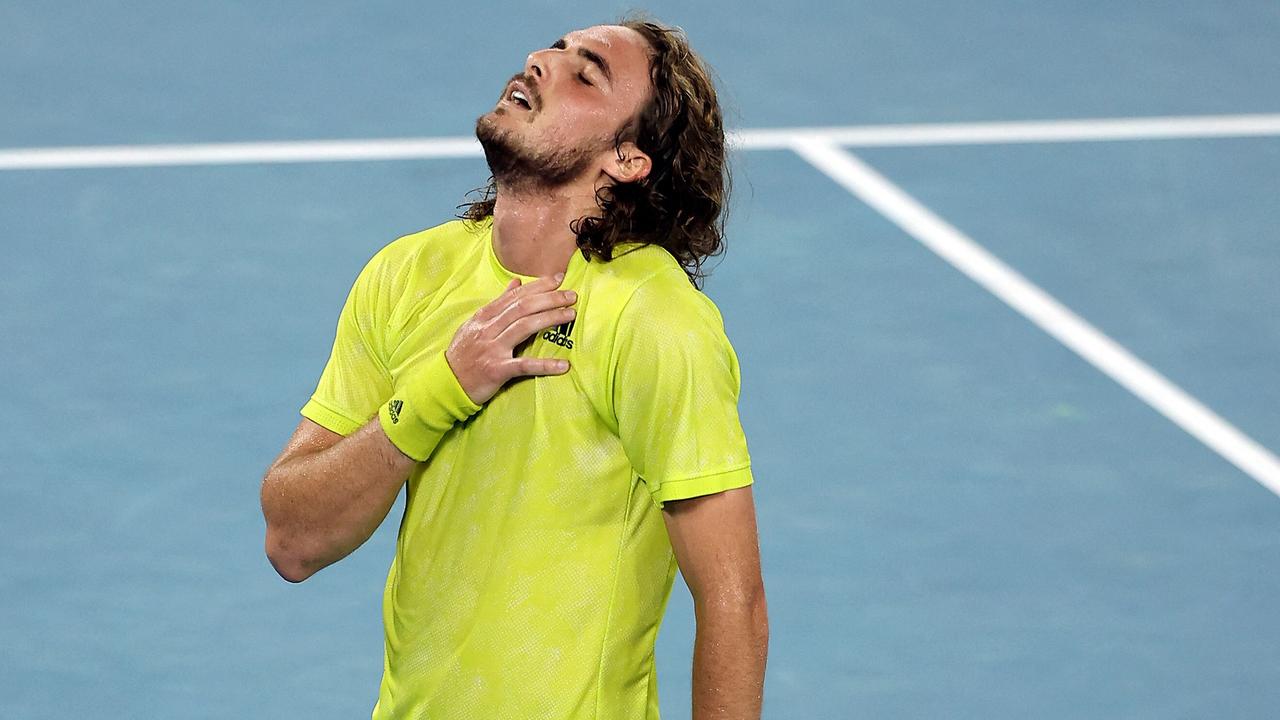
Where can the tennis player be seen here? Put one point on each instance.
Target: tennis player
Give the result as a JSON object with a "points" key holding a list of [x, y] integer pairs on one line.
{"points": [[561, 399]]}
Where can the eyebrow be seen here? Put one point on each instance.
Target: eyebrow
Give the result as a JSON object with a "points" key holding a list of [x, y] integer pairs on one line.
{"points": [[593, 57]]}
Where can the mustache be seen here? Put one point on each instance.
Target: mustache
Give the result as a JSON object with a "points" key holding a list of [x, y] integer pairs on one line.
{"points": [[534, 91]]}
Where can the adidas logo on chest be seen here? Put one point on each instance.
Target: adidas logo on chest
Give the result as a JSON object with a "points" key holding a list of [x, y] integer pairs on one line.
{"points": [[560, 334]]}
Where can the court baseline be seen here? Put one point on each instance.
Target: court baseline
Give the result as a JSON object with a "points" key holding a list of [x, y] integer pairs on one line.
{"points": [[823, 147]]}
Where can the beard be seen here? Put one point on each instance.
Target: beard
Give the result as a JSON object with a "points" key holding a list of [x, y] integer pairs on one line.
{"points": [[517, 167]]}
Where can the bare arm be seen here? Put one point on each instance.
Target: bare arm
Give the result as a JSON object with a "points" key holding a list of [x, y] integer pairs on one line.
{"points": [[326, 494], [715, 541]]}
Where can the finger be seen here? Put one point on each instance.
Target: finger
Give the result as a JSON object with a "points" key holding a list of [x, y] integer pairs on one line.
{"points": [[510, 288], [532, 304], [523, 327], [526, 300], [499, 303], [542, 284], [536, 366]]}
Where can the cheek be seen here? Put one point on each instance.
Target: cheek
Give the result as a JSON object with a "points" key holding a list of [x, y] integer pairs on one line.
{"points": [[551, 135], [570, 124]]}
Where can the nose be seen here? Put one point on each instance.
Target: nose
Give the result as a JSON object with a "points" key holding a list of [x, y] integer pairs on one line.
{"points": [[535, 65]]}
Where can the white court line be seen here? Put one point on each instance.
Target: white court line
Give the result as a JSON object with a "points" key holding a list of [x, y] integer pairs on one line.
{"points": [[1040, 308], [820, 147], [237, 153], [1036, 131], [1152, 128]]}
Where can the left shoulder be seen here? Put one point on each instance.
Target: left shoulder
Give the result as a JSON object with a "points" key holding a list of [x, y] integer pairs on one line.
{"points": [[636, 264], [668, 324], [645, 281], [668, 298]]}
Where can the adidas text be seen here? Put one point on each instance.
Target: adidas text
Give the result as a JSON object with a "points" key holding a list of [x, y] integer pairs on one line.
{"points": [[560, 335]]}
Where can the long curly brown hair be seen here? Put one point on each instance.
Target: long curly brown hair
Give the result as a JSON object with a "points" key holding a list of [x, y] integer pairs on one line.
{"points": [[681, 204]]}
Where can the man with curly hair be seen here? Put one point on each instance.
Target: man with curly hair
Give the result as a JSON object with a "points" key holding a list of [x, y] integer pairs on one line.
{"points": [[560, 398]]}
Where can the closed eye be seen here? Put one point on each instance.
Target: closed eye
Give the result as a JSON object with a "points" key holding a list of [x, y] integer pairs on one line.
{"points": [[582, 76]]}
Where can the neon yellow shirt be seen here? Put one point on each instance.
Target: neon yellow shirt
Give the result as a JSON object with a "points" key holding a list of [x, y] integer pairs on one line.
{"points": [[533, 567]]}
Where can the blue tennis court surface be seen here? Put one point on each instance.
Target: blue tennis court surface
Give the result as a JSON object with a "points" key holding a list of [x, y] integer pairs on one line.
{"points": [[960, 517]]}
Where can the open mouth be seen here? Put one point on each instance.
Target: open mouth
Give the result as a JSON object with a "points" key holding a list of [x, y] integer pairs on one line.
{"points": [[519, 97]]}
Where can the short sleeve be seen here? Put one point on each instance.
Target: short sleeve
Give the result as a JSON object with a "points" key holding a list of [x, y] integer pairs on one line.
{"points": [[675, 393], [355, 381]]}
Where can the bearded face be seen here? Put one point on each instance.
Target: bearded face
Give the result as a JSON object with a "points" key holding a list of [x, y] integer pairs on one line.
{"points": [[556, 121], [522, 161]]}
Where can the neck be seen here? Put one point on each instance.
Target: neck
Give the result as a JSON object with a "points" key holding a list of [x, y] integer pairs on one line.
{"points": [[531, 234]]}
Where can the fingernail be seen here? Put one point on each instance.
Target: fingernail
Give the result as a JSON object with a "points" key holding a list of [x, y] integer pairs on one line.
{"points": [[563, 364], [559, 277]]}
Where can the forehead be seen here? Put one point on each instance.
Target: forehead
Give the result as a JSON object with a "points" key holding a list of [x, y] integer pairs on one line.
{"points": [[626, 50]]}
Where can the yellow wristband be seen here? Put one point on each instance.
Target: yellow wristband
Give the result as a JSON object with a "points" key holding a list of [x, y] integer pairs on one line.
{"points": [[424, 406]]}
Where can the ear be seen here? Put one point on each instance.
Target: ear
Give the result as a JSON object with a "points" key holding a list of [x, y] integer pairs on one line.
{"points": [[629, 164]]}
